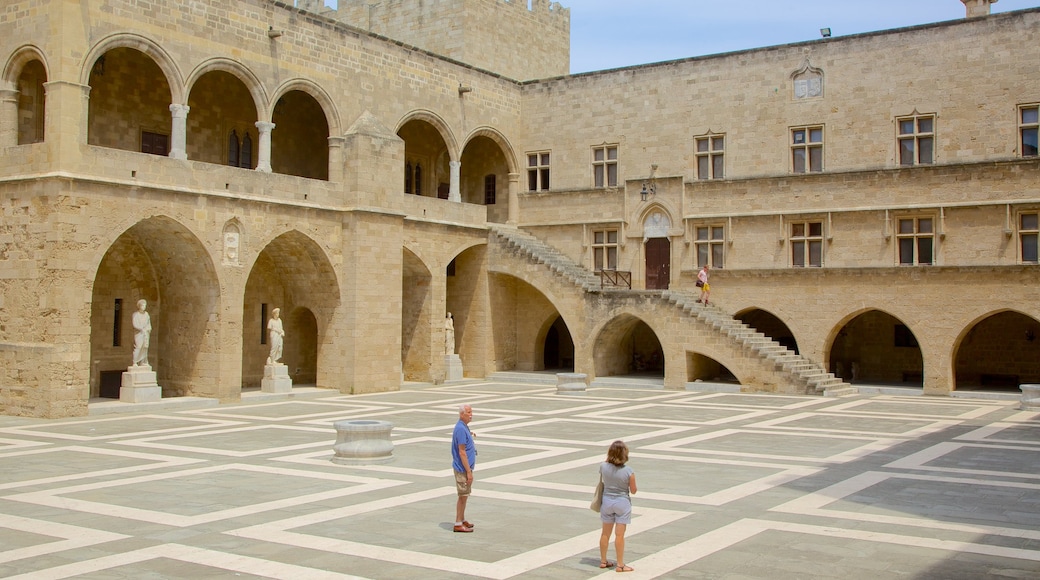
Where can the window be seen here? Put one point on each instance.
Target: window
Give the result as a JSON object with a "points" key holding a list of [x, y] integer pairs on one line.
{"points": [[807, 244], [155, 143], [117, 323], [489, 189], [1029, 122], [538, 171], [807, 149], [709, 151], [916, 139], [240, 154], [413, 176], [710, 245], [604, 250], [916, 240], [1028, 229], [604, 166]]}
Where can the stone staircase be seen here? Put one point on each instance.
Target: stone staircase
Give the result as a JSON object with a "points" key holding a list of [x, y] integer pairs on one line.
{"points": [[799, 370]]}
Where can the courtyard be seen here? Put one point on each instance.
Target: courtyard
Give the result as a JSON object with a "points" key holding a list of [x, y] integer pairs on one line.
{"points": [[731, 485]]}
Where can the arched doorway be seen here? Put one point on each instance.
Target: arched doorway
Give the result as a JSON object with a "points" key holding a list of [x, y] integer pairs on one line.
{"points": [[657, 250], [999, 353], [877, 348], [628, 346], [768, 324], [558, 352]]}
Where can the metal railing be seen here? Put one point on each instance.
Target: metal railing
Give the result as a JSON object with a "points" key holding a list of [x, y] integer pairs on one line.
{"points": [[615, 278]]}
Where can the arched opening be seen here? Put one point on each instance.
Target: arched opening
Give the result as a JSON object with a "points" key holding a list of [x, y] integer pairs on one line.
{"points": [[485, 178], [32, 103], [876, 348], [999, 353], [768, 324], [628, 346], [416, 318], [558, 351], [293, 274], [222, 122], [427, 171], [466, 298], [300, 141], [129, 106], [162, 262], [704, 368]]}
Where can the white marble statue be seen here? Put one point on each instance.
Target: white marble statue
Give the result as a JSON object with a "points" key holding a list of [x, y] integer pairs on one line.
{"points": [[142, 322], [449, 334], [276, 334]]}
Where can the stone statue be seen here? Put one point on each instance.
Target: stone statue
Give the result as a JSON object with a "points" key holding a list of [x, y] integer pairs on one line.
{"points": [[142, 322], [274, 329], [449, 334]]}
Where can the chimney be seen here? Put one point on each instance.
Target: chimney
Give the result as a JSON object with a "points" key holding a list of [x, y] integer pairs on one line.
{"points": [[976, 8]]}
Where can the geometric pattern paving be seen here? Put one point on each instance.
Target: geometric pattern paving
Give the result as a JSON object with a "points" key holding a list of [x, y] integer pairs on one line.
{"points": [[731, 486]]}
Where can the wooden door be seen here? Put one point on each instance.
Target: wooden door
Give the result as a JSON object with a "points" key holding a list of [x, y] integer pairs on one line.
{"points": [[658, 263]]}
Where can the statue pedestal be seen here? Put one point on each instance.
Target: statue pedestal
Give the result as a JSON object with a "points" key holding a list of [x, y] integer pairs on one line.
{"points": [[139, 385], [453, 367], [276, 379]]}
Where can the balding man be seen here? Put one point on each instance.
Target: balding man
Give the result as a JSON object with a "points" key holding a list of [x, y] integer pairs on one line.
{"points": [[463, 458]]}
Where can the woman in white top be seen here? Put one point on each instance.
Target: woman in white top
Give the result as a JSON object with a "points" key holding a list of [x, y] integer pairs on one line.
{"points": [[616, 512]]}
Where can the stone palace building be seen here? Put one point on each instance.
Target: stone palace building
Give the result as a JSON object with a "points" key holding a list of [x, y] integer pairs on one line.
{"points": [[869, 204]]}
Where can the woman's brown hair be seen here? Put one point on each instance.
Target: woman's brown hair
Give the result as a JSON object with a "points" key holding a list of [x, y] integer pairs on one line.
{"points": [[618, 453]]}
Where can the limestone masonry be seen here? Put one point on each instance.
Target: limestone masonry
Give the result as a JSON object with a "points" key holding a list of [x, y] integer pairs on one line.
{"points": [[869, 205]]}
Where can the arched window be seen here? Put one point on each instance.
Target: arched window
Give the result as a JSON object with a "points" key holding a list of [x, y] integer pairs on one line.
{"points": [[232, 149], [245, 158]]}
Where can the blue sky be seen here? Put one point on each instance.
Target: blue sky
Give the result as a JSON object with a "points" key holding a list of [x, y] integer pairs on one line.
{"points": [[616, 33]]}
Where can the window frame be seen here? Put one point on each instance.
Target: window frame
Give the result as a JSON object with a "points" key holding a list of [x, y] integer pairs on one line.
{"points": [[915, 137], [1033, 234], [807, 147], [1032, 126], [710, 155], [539, 166], [915, 237], [709, 245], [807, 239], [490, 189], [601, 168], [603, 249]]}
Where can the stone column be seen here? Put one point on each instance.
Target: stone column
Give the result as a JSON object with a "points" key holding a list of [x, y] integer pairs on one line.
{"points": [[8, 115], [66, 121], [179, 131], [264, 149], [514, 199], [336, 159], [453, 188]]}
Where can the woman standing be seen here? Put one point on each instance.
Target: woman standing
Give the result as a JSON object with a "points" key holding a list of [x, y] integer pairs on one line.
{"points": [[616, 512]]}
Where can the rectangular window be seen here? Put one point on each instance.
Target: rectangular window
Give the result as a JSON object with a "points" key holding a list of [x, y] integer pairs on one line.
{"points": [[489, 189], [604, 166], [117, 323], [155, 143], [1028, 123], [263, 323], [916, 139], [916, 241], [807, 149], [605, 250], [710, 152], [538, 171], [807, 244], [710, 244], [1028, 230]]}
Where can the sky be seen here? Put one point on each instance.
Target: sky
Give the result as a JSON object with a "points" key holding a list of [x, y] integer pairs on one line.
{"points": [[616, 33]]}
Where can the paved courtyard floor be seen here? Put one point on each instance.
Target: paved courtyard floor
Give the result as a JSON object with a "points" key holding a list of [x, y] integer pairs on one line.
{"points": [[730, 486]]}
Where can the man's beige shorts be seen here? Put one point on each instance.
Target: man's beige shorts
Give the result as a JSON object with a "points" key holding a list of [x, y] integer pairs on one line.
{"points": [[461, 485]]}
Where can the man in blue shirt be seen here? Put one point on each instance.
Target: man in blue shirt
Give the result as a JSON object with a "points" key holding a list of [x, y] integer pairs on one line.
{"points": [[463, 458]]}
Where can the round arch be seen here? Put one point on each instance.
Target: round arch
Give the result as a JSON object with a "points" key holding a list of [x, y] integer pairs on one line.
{"points": [[239, 71], [150, 49], [22, 56], [998, 350], [499, 139], [317, 93], [439, 124]]}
